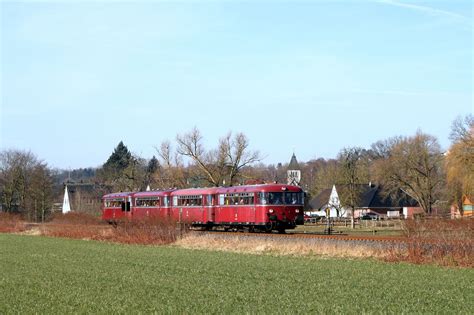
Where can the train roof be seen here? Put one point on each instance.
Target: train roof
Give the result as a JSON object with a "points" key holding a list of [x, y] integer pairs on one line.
{"points": [[195, 191], [260, 188], [118, 195], [153, 193], [236, 189]]}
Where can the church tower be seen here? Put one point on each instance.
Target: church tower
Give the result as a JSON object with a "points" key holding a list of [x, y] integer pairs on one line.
{"points": [[294, 172]]}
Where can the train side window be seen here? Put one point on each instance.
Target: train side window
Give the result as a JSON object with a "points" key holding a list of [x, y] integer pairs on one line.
{"points": [[166, 201], [251, 199], [221, 199]]}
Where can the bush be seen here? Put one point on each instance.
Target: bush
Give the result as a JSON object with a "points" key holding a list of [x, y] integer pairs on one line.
{"points": [[11, 223], [153, 231], [76, 218], [442, 241], [86, 226]]}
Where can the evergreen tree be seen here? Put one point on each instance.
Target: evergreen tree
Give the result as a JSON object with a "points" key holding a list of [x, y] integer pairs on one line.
{"points": [[152, 166], [123, 171], [120, 159]]}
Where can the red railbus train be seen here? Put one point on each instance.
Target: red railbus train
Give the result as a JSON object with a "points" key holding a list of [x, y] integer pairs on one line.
{"points": [[260, 207], [194, 206], [263, 207], [138, 205], [151, 204], [116, 206]]}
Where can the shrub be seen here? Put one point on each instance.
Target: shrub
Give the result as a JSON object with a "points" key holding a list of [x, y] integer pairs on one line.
{"points": [[85, 226], [76, 218], [442, 241], [153, 231], [11, 223]]}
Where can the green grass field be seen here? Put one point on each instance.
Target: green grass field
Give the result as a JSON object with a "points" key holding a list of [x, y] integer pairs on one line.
{"points": [[52, 275]]}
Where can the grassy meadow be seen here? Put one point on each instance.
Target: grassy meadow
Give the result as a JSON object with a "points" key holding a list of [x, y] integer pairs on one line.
{"points": [[54, 275]]}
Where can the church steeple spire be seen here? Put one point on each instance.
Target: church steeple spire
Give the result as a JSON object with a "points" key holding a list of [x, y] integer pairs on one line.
{"points": [[293, 172]]}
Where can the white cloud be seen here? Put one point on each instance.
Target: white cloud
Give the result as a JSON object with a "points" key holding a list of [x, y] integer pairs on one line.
{"points": [[427, 10]]}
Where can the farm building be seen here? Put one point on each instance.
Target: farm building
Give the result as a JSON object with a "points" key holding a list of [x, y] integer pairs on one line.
{"points": [[370, 198], [467, 208]]}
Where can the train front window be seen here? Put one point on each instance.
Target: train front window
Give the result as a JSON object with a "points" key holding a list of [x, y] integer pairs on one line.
{"points": [[271, 198], [281, 198], [294, 198], [275, 198]]}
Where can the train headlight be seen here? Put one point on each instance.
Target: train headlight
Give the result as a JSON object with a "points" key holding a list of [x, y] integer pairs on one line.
{"points": [[270, 211], [297, 210]]}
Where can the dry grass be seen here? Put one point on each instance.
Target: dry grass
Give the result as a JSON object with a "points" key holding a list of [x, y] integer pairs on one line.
{"points": [[277, 246], [11, 223], [154, 232], [88, 227], [78, 218], [444, 242]]}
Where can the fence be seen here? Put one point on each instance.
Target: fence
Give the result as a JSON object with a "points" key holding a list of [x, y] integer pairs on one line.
{"points": [[346, 222]]}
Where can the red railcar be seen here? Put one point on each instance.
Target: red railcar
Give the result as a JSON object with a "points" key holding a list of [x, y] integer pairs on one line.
{"points": [[116, 206], [194, 206], [264, 207], [151, 204]]}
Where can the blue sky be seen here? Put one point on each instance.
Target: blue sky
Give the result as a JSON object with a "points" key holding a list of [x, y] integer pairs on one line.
{"points": [[312, 76]]}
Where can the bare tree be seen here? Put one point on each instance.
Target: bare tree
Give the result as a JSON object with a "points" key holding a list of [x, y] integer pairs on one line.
{"points": [[41, 192], [353, 170], [462, 129], [320, 174], [190, 145], [171, 171], [237, 154], [382, 149], [415, 166], [225, 162], [25, 184]]}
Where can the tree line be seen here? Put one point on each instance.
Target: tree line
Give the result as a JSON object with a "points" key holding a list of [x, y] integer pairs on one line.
{"points": [[414, 164]]}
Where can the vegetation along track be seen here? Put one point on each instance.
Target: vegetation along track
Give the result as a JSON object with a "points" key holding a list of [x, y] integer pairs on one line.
{"points": [[378, 242]]}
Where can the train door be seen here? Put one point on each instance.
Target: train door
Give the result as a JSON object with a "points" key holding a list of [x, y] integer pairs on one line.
{"points": [[165, 212], [210, 202], [246, 208], [251, 209], [125, 205]]}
